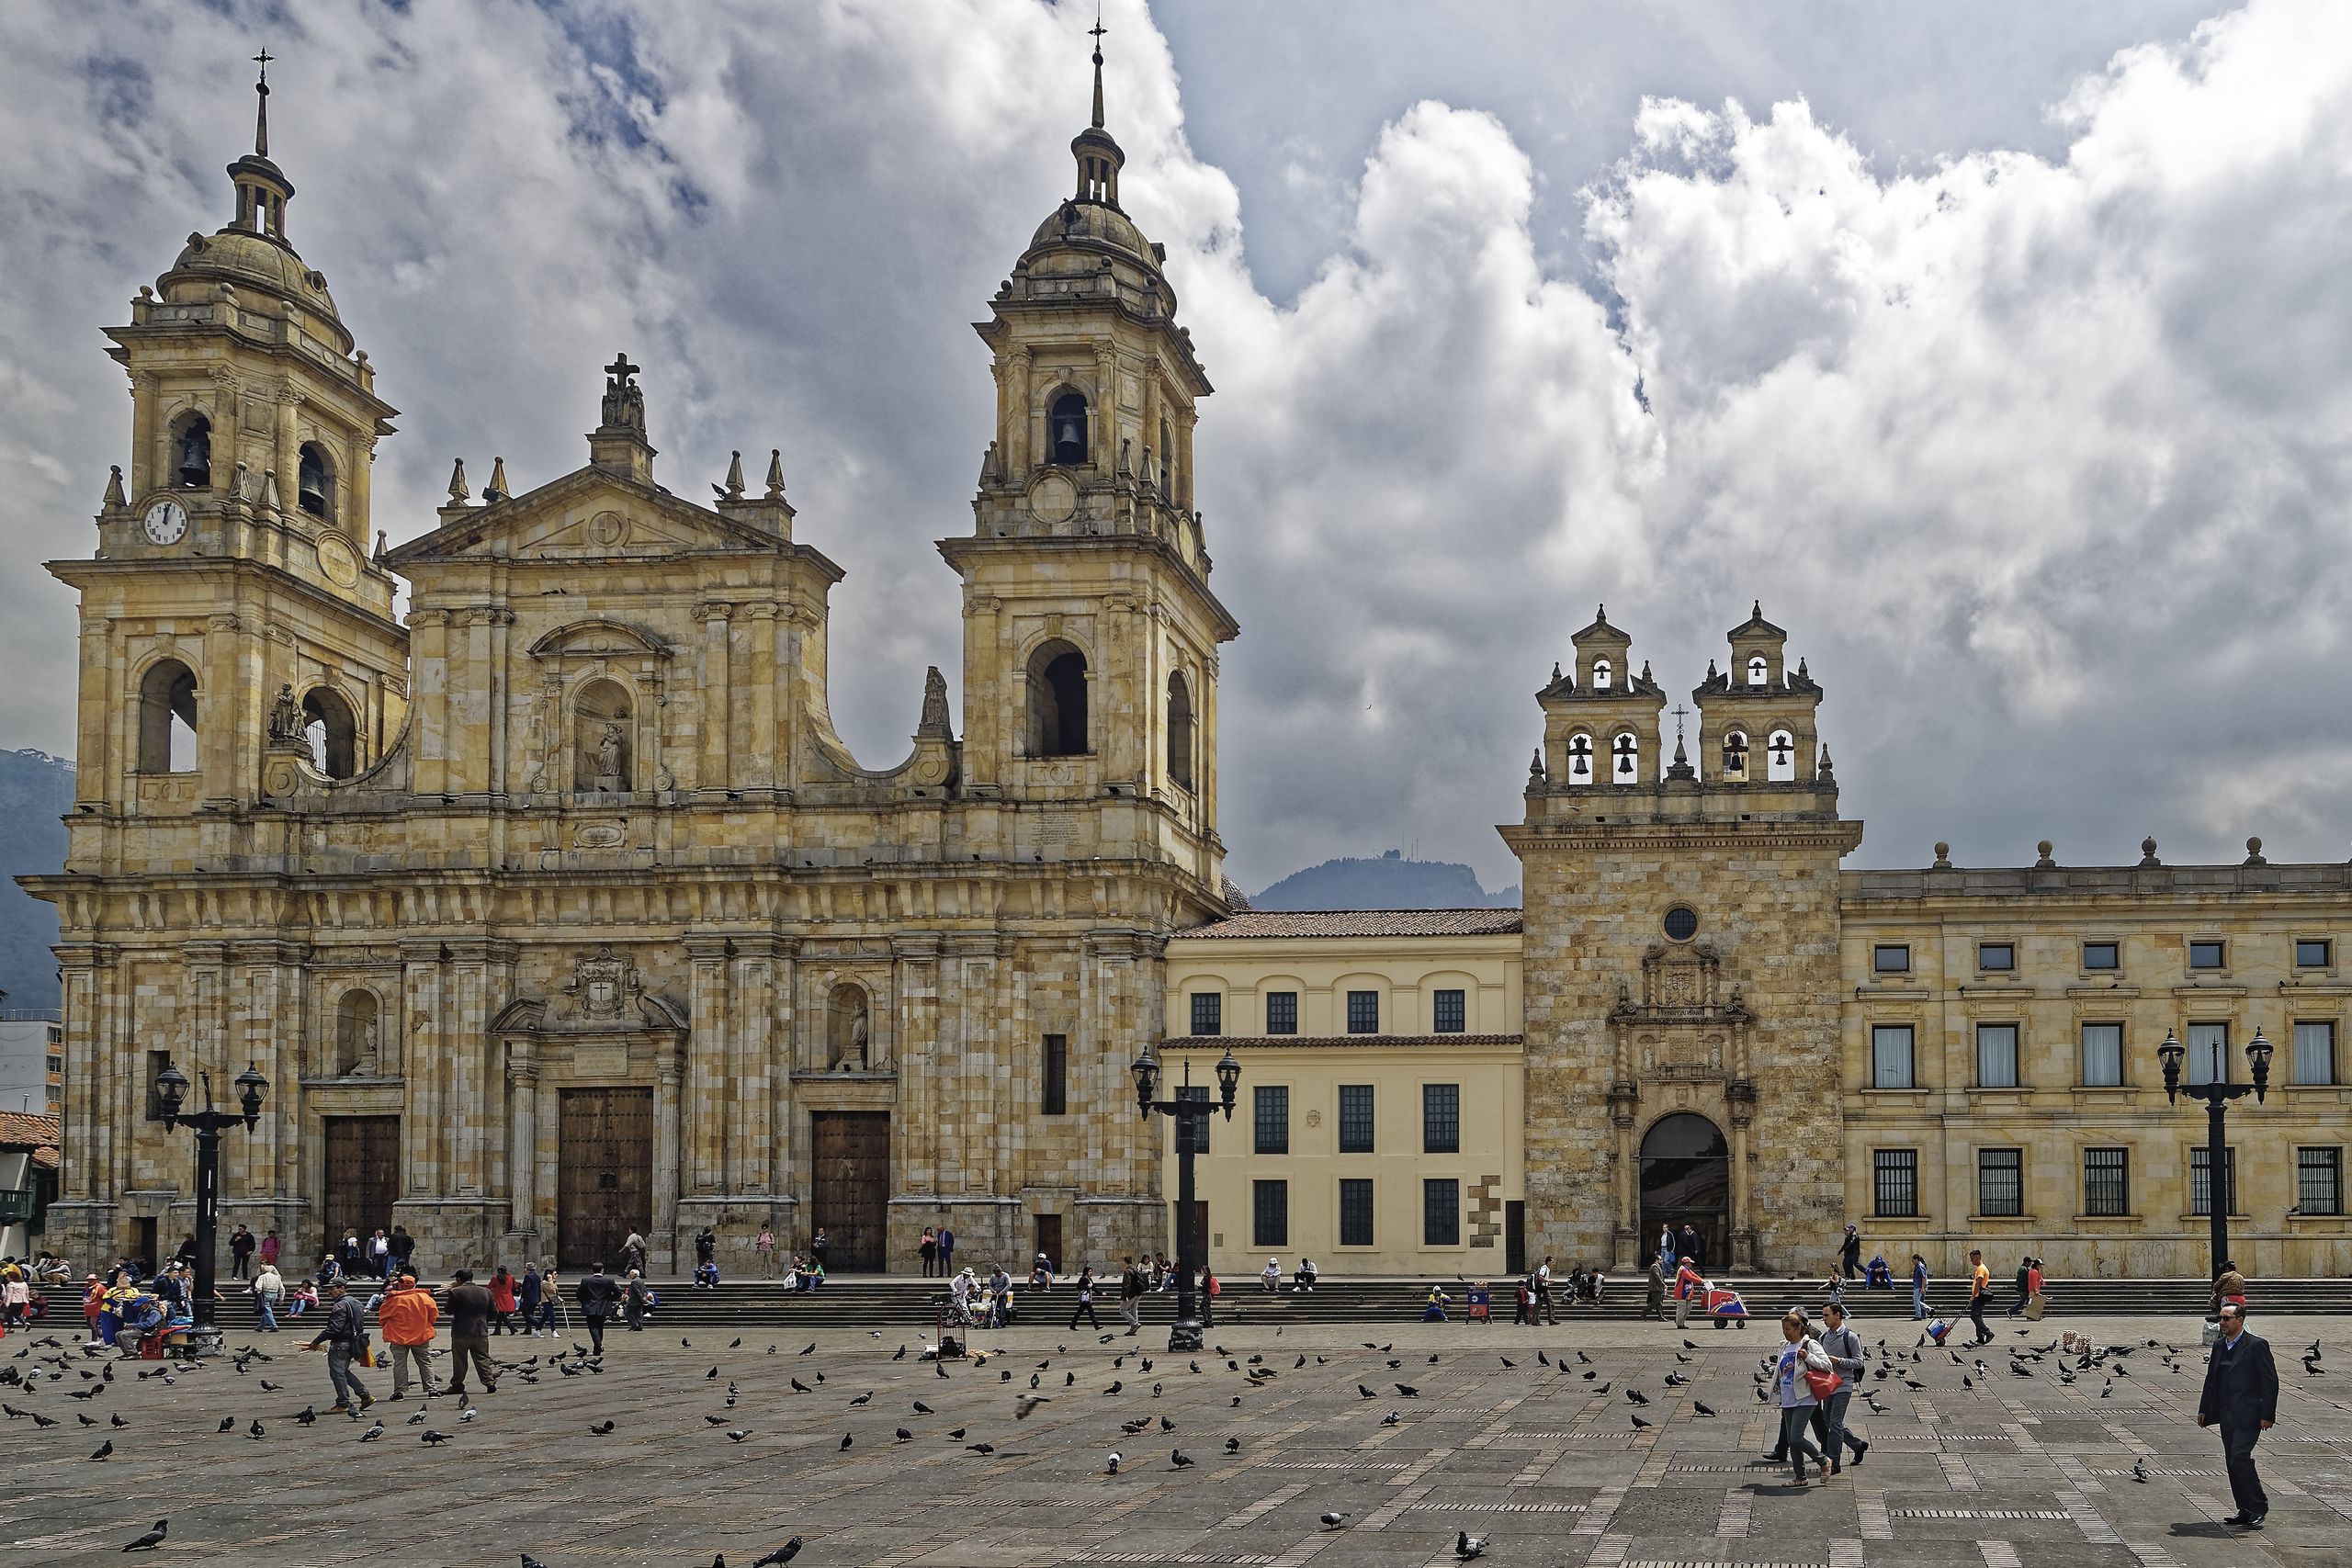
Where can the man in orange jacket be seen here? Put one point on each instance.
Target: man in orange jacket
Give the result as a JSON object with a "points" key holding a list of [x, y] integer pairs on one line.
{"points": [[408, 1317]]}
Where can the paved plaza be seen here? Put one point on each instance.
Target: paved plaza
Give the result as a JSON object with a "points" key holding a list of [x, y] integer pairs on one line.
{"points": [[1544, 1461]]}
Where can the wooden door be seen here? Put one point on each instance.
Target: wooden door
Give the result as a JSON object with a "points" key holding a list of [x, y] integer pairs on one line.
{"points": [[851, 1155], [1514, 1237], [363, 1179], [603, 1175], [1049, 1241]]}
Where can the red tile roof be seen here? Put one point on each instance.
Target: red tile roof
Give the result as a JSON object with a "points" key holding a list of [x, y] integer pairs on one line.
{"points": [[1220, 1041], [20, 1130], [1361, 923]]}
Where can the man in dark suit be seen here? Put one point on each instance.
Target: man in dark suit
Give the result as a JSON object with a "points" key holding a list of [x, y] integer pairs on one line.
{"points": [[2242, 1398]]}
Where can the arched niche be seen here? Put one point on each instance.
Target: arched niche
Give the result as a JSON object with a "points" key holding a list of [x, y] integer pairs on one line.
{"points": [[333, 730], [849, 1025], [357, 1040], [1625, 758], [1180, 729], [604, 743], [190, 461], [1065, 429], [1580, 760], [1736, 756], [1057, 700], [167, 718], [1780, 755], [314, 483]]}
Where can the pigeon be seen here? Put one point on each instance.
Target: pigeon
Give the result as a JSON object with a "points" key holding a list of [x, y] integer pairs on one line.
{"points": [[1179, 1459], [431, 1438], [905, 1436], [715, 1420], [255, 1430], [1467, 1546], [1635, 1396], [1365, 1392], [1392, 1418], [531, 1562], [983, 1449], [1408, 1391], [781, 1555], [372, 1433], [902, 1354], [1028, 1404], [845, 1440], [1116, 1386], [1701, 1409], [1166, 1425], [1583, 1359], [2140, 1470], [153, 1538], [1233, 1445], [228, 1424], [1111, 1466], [812, 1349], [1335, 1522], [1604, 1388], [958, 1432], [1542, 1359], [105, 1450], [799, 1387], [603, 1429], [1639, 1424], [923, 1409], [736, 1434], [736, 1343], [862, 1398]]}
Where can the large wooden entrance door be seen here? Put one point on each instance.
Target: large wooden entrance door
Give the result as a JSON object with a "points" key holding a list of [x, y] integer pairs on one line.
{"points": [[604, 1174], [851, 1157], [363, 1179]]}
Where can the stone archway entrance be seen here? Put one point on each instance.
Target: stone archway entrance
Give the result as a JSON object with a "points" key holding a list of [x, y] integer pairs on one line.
{"points": [[1686, 1180]]}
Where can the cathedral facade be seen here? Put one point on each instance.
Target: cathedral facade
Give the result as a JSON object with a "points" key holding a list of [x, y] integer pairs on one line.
{"points": [[556, 909]]}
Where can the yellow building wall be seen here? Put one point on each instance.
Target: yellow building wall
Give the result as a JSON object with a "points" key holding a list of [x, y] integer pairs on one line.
{"points": [[1397, 1063]]}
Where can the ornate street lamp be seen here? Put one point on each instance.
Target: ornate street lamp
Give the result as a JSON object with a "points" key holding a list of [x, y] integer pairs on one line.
{"points": [[1191, 1117], [2217, 1092], [171, 1092]]}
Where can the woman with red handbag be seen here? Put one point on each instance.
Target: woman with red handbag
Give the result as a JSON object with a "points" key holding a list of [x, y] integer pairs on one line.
{"points": [[1803, 1376]]}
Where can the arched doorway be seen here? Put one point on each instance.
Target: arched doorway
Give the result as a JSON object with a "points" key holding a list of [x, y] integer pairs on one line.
{"points": [[1686, 1180]]}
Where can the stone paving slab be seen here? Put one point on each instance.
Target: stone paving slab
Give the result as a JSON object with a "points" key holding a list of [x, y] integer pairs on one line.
{"points": [[2001, 1472]]}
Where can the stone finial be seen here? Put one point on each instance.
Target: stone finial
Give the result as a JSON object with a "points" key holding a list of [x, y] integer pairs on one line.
{"points": [[458, 491], [496, 491], [1645, 669], [269, 489], [1712, 672], [2253, 853], [1756, 610], [1803, 674], [1943, 857], [775, 473], [1826, 773], [382, 541], [115, 499], [733, 488], [1555, 664], [2045, 863], [1535, 769], [2148, 852]]}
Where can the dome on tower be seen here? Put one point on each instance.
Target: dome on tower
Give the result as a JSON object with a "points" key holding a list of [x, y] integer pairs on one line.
{"points": [[1091, 218], [1095, 223]]}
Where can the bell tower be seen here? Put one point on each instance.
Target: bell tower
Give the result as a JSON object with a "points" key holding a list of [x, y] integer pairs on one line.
{"points": [[233, 605], [1090, 634]]}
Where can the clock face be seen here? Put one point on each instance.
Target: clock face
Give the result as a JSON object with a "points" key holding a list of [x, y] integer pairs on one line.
{"points": [[165, 521]]}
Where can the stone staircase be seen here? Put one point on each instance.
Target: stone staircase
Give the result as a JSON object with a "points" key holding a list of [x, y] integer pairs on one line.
{"points": [[905, 1306]]}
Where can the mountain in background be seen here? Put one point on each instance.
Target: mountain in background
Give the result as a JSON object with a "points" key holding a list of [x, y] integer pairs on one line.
{"points": [[36, 792], [1392, 881]]}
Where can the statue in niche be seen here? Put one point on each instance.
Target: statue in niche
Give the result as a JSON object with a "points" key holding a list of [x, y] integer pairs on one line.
{"points": [[849, 1032], [286, 717], [608, 758], [356, 1040]]}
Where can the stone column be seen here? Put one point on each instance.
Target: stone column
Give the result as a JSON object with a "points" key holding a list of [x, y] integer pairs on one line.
{"points": [[423, 1055], [216, 711], [1740, 1097], [712, 720], [668, 1068], [287, 442], [523, 1139], [708, 1073], [1018, 416], [429, 700], [762, 771], [1624, 1105], [359, 487]]}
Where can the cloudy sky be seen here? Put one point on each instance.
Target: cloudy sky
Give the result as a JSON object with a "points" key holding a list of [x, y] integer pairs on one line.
{"points": [[2003, 349]]}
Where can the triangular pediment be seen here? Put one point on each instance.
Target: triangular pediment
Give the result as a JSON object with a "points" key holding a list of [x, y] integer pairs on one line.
{"points": [[589, 514]]}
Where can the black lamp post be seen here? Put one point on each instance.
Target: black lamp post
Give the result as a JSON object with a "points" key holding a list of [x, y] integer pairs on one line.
{"points": [[2217, 1092], [1191, 1117], [171, 1088]]}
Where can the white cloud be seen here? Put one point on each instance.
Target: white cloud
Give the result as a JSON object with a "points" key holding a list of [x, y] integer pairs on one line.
{"points": [[2040, 458]]}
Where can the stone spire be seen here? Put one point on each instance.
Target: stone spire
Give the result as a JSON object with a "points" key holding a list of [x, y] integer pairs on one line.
{"points": [[1099, 157], [262, 187]]}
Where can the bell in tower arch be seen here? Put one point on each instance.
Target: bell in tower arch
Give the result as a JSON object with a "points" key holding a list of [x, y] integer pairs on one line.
{"points": [[195, 453], [1067, 424]]}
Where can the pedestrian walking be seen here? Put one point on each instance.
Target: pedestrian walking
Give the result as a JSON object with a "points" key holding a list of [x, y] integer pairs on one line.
{"points": [[550, 1299], [408, 1317], [2241, 1397], [1918, 1287], [470, 1310], [1654, 1302], [637, 1300], [1844, 1348], [528, 1292], [633, 1253], [240, 1254], [501, 1301], [1085, 1298], [269, 1288], [1544, 1303], [1849, 1253], [1666, 1245], [764, 1245], [1980, 1285], [1131, 1288], [1689, 1290], [598, 1293], [345, 1339], [1799, 1357], [2023, 1284], [929, 1248]]}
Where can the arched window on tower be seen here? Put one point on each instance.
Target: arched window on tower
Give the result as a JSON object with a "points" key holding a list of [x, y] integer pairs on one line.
{"points": [[167, 720], [315, 490], [1057, 701], [1600, 674], [333, 731], [1180, 729], [1780, 757], [1066, 430], [1735, 757], [1579, 759], [1758, 671], [191, 461], [1168, 466], [602, 749], [1625, 766]]}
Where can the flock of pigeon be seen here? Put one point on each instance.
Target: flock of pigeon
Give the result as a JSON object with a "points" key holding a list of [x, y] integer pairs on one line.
{"points": [[57, 1362]]}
